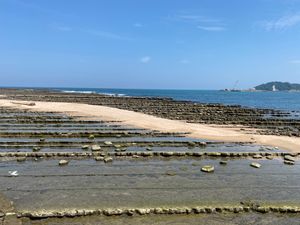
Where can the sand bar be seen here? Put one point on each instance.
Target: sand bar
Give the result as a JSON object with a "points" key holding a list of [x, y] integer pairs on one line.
{"points": [[140, 120]]}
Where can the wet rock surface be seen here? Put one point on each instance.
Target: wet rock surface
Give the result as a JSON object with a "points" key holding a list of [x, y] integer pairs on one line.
{"points": [[266, 120], [134, 174]]}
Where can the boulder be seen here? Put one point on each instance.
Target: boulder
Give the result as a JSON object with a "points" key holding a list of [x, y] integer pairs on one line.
{"points": [[108, 159], [223, 162], [36, 149], [208, 169], [99, 158], [108, 143], [85, 147], [289, 158], [289, 162], [257, 156], [91, 136], [21, 159], [95, 148], [255, 165], [63, 162]]}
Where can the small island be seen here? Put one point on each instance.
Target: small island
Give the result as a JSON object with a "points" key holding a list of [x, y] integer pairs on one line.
{"points": [[278, 86]]}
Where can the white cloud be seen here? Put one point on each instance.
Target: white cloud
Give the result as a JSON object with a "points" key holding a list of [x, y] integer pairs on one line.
{"points": [[145, 59], [185, 61], [212, 28], [295, 61], [193, 18], [282, 23]]}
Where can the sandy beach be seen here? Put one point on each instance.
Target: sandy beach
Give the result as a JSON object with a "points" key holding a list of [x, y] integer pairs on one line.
{"points": [[209, 132]]}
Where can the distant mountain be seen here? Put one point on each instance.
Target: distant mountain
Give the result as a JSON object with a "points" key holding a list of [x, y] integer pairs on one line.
{"points": [[279, 86]]}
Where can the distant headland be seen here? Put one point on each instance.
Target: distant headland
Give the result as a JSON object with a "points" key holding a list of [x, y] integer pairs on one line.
{"points": [[270, 86], [278, 86]]}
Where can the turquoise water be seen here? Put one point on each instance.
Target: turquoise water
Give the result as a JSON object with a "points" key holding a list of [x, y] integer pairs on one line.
{"points": [[273, 100]]}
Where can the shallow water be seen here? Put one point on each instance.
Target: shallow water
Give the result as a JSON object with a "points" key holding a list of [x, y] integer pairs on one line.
{"points": [[271, 100], [146, 183]]}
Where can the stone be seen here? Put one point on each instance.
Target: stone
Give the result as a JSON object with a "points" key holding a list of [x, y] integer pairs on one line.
{"points": [[203, 144], [208, 169], [63, 162], [99, 158], [36, 149], [167, 154], [171, 173], [2, 214], [108, 159], [91, 136], [21, 159], [85, 147], [289, 162], [108, 143], [223, 162], [257, 156], [255, 165], [289, 158], [95, 148], [191, 143], [118, 146], [143, 211], [149, 149], [263, 209]]}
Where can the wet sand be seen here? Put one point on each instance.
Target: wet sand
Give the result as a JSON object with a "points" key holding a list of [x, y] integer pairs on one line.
{"points": [[210, 132]]}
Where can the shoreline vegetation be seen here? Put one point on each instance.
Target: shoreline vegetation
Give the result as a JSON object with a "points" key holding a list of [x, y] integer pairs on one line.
{"points": [[70, 158]]}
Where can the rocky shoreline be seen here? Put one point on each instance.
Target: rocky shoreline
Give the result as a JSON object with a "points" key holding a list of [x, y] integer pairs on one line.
{"points": [[63, 169], [266, 121]]}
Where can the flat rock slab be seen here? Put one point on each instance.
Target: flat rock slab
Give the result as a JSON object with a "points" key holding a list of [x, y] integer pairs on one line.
{"points": [[214, 219], [91, 184]]}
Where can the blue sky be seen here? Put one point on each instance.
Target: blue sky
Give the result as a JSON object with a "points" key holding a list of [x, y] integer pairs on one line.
{"points": [[186, 44]]}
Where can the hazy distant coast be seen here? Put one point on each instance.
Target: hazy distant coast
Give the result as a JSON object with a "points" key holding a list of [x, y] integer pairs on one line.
{"points": [[278, 86]]}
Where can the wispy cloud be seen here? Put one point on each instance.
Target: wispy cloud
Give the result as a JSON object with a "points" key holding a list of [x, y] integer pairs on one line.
{"points": [[193, 18], [281, 23], [212, 28], [295, 61], [107, 35], [145, 59], [201, 22]]}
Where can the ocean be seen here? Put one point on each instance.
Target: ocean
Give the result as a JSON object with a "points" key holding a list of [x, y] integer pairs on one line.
{"points": [[289, 101]]}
